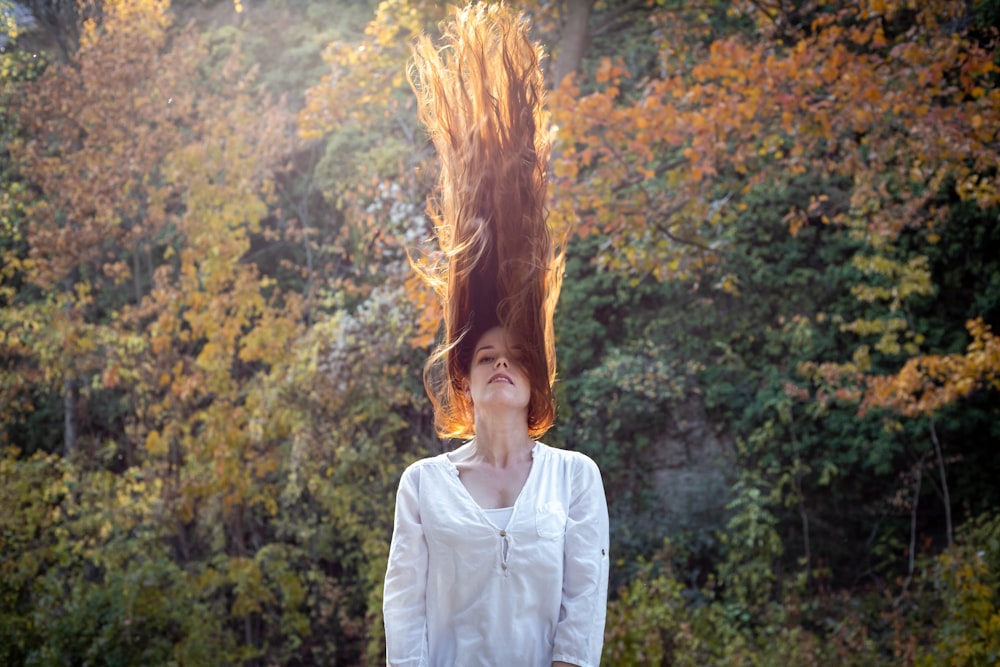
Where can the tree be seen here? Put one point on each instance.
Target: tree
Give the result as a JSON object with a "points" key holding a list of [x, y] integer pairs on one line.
{"points": [[97, 214], [666, 159], [149, 169]]}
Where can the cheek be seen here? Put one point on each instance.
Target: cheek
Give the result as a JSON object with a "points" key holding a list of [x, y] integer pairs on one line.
{"points": [[477, 381]]}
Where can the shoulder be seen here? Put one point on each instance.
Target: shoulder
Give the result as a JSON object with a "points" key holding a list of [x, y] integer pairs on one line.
{"points": [[429, 465], [574, 462], [575, 477], [423, 471]]}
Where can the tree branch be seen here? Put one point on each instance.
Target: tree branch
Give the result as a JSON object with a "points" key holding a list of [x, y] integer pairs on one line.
{"points": [[944, 481]]}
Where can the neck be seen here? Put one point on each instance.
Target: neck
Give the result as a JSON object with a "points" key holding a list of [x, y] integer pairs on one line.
{"points": [[502, 440]]}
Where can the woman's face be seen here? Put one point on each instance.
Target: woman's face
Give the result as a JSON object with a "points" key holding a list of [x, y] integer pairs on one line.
{"points": [[497, 379]]}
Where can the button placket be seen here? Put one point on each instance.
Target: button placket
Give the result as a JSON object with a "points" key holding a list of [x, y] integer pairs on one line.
{"points": [[504, 550]]}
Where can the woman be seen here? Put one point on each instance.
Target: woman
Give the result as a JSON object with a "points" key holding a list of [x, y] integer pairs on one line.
{"points": [[499, 553], [500, 550]]}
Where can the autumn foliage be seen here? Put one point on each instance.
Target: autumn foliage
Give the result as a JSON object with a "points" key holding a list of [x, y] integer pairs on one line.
{"points": [[667, 160], [784, 255]]}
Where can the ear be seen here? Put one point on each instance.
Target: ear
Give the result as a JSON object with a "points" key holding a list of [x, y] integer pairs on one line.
{"points": [[465, 388]]}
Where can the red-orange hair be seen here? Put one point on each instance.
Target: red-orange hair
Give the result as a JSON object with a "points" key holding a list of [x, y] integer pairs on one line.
{"points": [[481, 97]]}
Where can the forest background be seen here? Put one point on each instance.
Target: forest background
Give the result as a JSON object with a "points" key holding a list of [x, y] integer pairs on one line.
{"points": [[776, 334]]}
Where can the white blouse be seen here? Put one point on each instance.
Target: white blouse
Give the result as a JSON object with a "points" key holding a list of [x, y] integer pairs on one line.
{"points": [[499, 517], [461, 592]]}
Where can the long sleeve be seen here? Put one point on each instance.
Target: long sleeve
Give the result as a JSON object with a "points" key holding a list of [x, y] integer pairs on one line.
{"points": [[404, 601], [579, 634]]}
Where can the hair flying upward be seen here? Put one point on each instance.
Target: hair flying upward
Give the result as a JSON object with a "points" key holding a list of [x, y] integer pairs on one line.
{"points": [[481, 97]]}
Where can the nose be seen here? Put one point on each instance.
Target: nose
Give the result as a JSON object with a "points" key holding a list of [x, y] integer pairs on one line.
{"points": [[501, 361]]}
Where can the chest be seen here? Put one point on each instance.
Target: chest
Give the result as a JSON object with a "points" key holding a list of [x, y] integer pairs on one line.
{"points": [[453, 516], [493, 487]]}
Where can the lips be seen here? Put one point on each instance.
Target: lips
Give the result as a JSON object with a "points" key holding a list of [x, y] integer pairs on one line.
{"points": [[501, 377]]}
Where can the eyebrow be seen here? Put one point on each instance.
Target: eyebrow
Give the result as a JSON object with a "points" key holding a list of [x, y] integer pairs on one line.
{"points": [[484, 347]]}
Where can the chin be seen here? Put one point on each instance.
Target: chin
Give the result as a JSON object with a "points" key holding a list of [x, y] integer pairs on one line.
{"points": [[504, 402]]}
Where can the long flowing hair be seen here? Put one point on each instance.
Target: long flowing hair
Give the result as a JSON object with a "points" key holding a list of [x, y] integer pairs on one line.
{"points": [[481, 96]]}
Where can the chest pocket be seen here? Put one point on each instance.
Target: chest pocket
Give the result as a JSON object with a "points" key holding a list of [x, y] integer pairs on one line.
{"points": [[550, 520]]}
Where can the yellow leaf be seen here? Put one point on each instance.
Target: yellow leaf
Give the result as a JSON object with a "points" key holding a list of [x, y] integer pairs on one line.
{"points": [[155, 444]]}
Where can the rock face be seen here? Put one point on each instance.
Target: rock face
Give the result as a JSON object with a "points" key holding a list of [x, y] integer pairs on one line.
{"points": [[691, 468], [24, 21], [678, 489]]}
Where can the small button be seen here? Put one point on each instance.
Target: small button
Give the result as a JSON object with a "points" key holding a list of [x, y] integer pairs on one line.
{"points": [[602, 552], [503, 533], [503, 566]]}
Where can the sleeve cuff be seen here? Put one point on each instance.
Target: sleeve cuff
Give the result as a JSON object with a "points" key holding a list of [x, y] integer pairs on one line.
{"points": [[572, 659]]}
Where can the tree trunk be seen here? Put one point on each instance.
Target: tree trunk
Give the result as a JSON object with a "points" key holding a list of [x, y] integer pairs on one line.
{"points": [[69, 418], [574, 39], [946, 497], [918, 473]]}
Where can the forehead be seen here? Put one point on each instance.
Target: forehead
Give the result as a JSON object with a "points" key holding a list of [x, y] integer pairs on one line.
{"points": [[494, 338]]}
